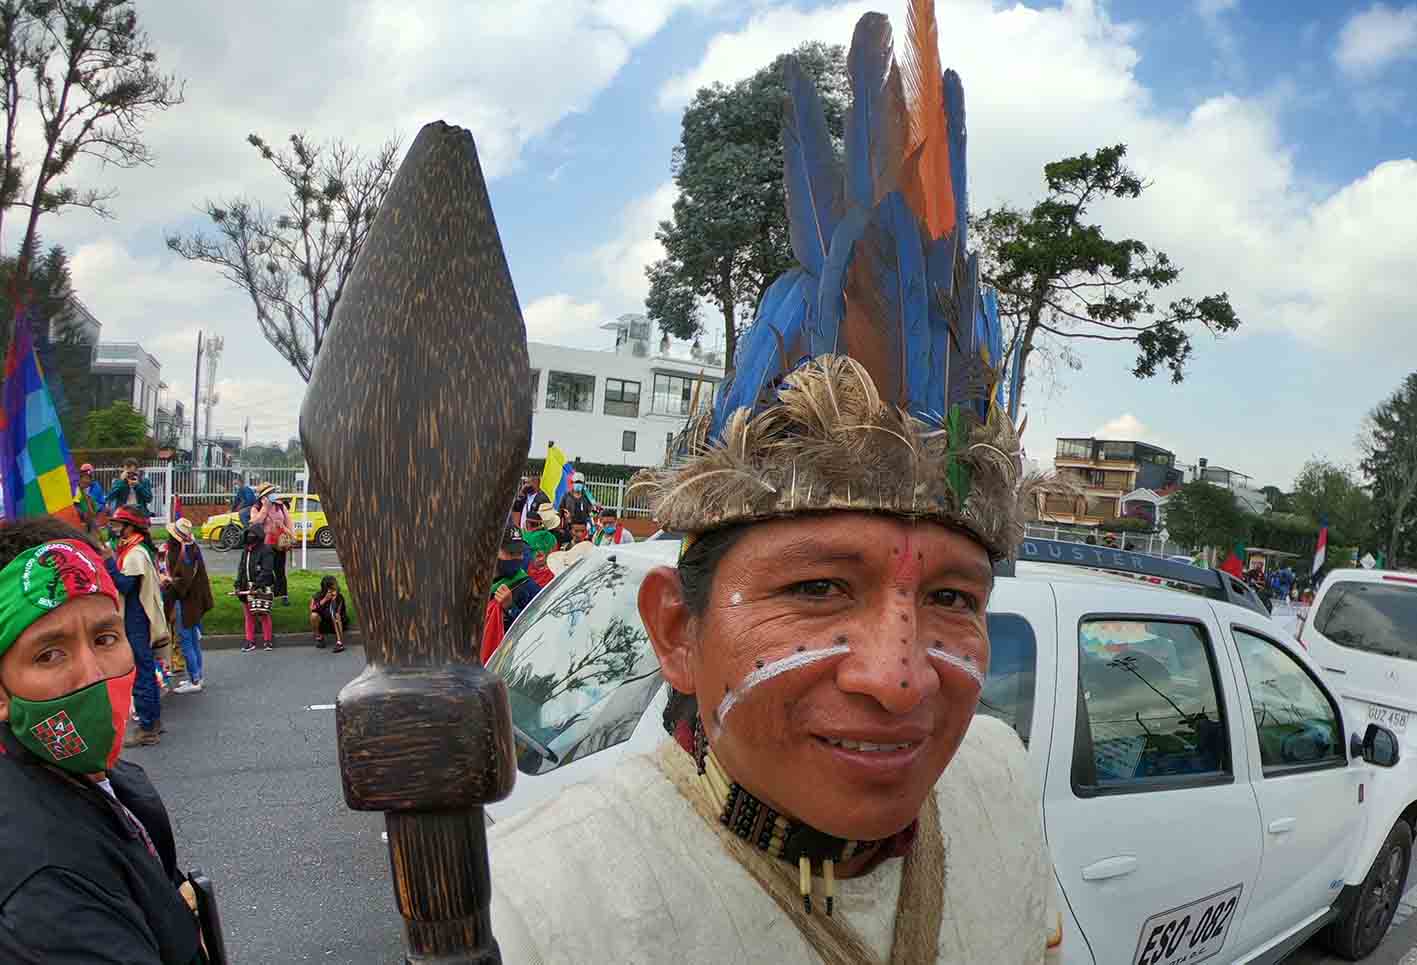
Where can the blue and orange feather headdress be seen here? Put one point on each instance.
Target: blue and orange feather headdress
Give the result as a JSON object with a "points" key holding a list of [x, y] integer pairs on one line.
{"points": [[870, 379]]}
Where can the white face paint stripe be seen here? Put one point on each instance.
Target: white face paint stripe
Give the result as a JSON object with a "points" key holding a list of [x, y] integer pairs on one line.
{"points": [[766, 672], [957, 662]]}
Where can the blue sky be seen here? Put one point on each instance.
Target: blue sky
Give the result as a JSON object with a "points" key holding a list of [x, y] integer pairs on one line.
{"points": [[1278, 138]]}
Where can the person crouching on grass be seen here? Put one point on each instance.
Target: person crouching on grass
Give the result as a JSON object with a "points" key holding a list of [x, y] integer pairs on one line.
{"points": [[327, 614], [255, 579], [87, 863]]}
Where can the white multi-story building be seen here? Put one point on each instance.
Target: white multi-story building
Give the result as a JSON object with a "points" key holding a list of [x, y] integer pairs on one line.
{"points": [[124, 371], [621, 405]]}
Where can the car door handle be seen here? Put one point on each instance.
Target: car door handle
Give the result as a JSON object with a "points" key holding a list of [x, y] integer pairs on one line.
{"points": [[1114, 867], [1282, 825], [1337, 670]]}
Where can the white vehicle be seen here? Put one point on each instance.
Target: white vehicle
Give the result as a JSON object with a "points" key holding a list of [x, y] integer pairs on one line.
{"points": [[1362, 630], [1203, 796]]}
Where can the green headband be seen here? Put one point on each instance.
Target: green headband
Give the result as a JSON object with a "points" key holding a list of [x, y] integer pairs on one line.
{"points": [[44, 578]]}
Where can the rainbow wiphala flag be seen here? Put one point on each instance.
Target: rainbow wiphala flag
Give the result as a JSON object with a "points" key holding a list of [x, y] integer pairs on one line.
{"points": [[35, 465]]}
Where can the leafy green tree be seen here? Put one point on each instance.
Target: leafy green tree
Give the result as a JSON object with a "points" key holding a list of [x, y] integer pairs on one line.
{"points": [[1389, 446], [116, 427], [1279, 500], [728, 238], [1202, 516], [65, 349], [293, 265], [86, 74], [1326, 490], [1060, 279]]}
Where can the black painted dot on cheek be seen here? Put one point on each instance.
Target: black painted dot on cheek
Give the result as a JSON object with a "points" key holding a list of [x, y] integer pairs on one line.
{"points": [[905, 661], [904, 684]]}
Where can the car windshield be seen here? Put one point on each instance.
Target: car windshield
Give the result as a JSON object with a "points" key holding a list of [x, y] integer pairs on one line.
{"points": [[1378, 617], [578, 664]]}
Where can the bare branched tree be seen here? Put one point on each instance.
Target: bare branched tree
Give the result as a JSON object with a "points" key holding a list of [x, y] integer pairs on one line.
{"points": [[293, 264], [87, 70]]}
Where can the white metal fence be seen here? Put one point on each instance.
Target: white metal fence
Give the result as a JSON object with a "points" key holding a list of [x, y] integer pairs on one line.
{"points": [[615, 494], [200, 485]]}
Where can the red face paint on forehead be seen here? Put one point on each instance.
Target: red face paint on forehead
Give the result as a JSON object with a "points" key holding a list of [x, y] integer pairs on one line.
{"points": [[909, 560]]}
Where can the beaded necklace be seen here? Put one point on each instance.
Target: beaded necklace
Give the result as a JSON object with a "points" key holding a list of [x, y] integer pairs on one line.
{"points": [[770, 831]]}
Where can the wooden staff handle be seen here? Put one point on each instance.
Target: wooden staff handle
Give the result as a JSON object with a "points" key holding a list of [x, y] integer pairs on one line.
{"points": [[416, 423]]}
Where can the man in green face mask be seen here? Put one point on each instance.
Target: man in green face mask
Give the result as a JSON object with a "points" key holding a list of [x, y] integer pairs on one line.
{"points": [[88, 870]]}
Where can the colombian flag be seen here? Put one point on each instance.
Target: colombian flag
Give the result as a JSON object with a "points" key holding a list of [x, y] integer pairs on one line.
{"points": [[35, 465], [556, 474]]}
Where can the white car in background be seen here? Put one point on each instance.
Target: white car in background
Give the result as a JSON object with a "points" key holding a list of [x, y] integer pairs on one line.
{"points": [[1204, 798]]}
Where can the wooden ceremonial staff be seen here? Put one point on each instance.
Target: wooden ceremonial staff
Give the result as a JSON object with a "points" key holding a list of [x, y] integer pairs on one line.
{"points": [[416, 423]]}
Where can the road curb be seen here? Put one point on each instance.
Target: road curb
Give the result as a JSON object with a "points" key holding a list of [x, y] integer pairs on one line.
{"points": [[233, 641]]}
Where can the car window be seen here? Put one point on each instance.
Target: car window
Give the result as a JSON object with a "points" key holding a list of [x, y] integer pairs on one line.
{"points": [[1377, 617], [578, 665], [1008, 690], [1149, 710], [1297, 722]]}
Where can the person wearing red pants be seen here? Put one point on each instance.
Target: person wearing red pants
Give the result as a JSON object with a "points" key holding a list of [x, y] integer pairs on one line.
{"points": [[255, 581]]}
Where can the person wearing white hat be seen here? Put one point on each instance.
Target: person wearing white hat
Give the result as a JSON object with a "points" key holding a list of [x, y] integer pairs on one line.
{"points": [[192, 591], [270, 514], [578, 503]]}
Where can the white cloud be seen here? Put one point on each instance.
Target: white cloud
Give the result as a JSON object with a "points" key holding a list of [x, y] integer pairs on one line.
{"points": [[1125, 427], [1224, 197], [1211, 9], [622, 260], [1376, 37], [562, 320]]}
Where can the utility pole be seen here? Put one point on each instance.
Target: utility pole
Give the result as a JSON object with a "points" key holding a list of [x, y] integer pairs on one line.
{"points": [[214, 346], [246, 439], [196, 394]]}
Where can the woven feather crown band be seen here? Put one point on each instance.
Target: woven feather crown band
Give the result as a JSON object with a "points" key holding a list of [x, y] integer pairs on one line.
{"points": [[832, 444]]}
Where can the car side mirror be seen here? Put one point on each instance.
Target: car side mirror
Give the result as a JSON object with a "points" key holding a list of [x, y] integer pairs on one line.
{"points": [[1380, 746]]}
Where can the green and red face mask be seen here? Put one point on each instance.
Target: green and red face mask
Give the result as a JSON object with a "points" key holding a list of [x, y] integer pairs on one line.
{"points": [[80, 731]]}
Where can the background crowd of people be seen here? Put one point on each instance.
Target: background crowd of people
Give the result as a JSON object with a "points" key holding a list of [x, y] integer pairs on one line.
{"points": [[541, 540]]}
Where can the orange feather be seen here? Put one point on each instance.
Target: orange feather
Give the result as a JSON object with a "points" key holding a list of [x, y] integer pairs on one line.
{"points": [[927, 184]]}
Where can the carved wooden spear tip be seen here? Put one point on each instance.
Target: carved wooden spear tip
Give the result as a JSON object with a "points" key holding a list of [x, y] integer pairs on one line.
{"points": [[417, 421]]}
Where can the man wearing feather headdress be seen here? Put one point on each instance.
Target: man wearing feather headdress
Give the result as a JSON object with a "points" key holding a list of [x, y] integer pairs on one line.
{"points": [[830, 795]]}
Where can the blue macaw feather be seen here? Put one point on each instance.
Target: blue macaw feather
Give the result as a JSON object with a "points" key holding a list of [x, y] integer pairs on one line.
{"points": [[781, 322], [954, 124], [919, 319], [831, 300], [939, 266], [810, 173], [994, 337], [868, 68], [1015, 385], [900, 304]]}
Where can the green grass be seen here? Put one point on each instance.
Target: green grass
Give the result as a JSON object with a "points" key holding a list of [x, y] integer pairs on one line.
{"points": [[227, 616]]}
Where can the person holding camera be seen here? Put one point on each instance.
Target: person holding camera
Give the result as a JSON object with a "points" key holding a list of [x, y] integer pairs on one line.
{"points": [[131, 489]]}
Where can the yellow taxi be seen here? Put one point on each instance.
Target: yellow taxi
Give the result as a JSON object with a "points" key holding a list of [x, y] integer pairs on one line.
{"points": [[306, 514]]}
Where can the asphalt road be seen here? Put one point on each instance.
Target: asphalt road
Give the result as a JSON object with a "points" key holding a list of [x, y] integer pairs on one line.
{"points": [[250, 776], [225, 561]]}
